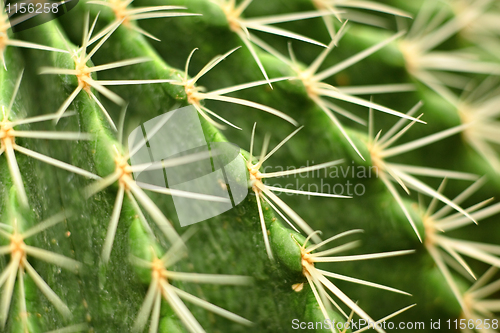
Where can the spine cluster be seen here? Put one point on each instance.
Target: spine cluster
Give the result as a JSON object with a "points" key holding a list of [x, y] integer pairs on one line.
{"points": [[118, 240]]}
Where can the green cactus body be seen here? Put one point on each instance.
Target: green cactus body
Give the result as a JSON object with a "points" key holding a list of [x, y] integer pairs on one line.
{"points": [[349, 162]]}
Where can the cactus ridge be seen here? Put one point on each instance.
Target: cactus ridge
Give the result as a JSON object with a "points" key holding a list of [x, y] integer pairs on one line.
{"points": [[118, 237]]}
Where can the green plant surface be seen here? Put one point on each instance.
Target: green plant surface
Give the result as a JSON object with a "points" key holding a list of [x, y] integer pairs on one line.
{"points": [[252, 263]]}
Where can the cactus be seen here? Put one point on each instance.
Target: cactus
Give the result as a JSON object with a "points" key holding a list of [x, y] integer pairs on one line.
{"points": [[374, 208]]}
